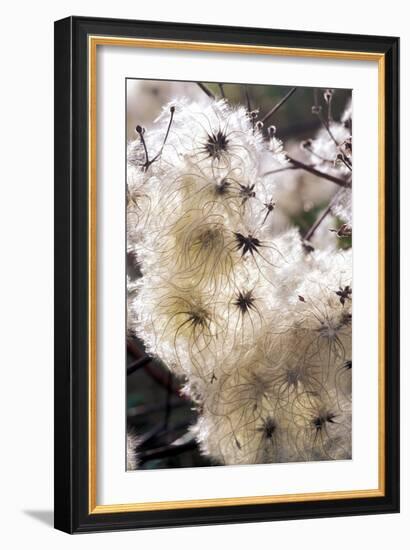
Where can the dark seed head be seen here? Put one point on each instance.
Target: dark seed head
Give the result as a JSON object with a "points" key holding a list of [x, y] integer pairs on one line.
{"points": [[307, 144], [307, 246], [269, 205], [348, 124], [199, 317], [293, 376], [319, 421], [209, 238], [245, 301], [247, 192], [216, 144], [268, 427], [247, 244], [344, 294], [222, 187]]}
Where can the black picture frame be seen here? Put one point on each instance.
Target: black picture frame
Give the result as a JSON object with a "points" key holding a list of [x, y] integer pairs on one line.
{"points": [[71, 491]]}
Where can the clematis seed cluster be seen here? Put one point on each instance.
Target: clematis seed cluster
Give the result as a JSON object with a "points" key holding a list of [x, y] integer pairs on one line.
{"points": [[257, 328]]}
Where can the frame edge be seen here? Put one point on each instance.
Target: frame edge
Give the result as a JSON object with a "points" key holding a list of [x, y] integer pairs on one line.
{"points": [[63, 499]]}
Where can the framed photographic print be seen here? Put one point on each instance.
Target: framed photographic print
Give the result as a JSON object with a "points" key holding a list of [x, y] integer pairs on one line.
{"points": [[226, 277]]}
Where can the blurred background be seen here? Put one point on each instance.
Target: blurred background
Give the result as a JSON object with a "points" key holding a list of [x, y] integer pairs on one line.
{"points": [[159, 416]]}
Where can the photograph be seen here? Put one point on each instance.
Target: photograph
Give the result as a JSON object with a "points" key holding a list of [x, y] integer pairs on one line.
{"points": [[239, 274]]}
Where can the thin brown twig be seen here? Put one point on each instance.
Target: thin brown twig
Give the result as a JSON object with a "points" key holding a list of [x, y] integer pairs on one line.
{"points": [[323, 122], [206, 90], [138, 364], [279, 104], [248, 99], [327, 128], [309, 234], [277, 170], [339, 181], [135, 351], [156, 374]]}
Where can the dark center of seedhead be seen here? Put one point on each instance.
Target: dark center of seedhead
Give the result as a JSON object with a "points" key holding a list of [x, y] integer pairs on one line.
{"points": [[245, 301], [348, 124], [344, 294], [216, 144], [345, 319], [319, 421], [247, 244], [198, 317], [269, 205], [268, 428], [246, 192], [209, 238], [222, 187], [293, 376]]}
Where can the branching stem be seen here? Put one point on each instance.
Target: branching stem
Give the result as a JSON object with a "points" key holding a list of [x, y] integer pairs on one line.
{"points": [[339, 181]]}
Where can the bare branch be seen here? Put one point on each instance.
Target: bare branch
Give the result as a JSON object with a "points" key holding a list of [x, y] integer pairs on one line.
{"points": [[137, 364], [339, 181], [278, 105], [320, 219], [248, 99], [277, 170], [206, 90], [154, 370]]}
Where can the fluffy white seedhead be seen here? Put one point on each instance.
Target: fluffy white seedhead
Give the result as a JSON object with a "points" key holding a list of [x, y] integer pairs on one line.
{"points": [[331, 149], [331, 152], [259, 330], [343, 206], [283, 402]]}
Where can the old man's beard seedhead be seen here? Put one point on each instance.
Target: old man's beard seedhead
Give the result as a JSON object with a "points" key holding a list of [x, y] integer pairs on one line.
{"points": [[258, 329]]}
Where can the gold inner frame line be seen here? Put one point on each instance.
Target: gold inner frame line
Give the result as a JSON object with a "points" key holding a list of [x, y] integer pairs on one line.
{"points": [[93, 42]]}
